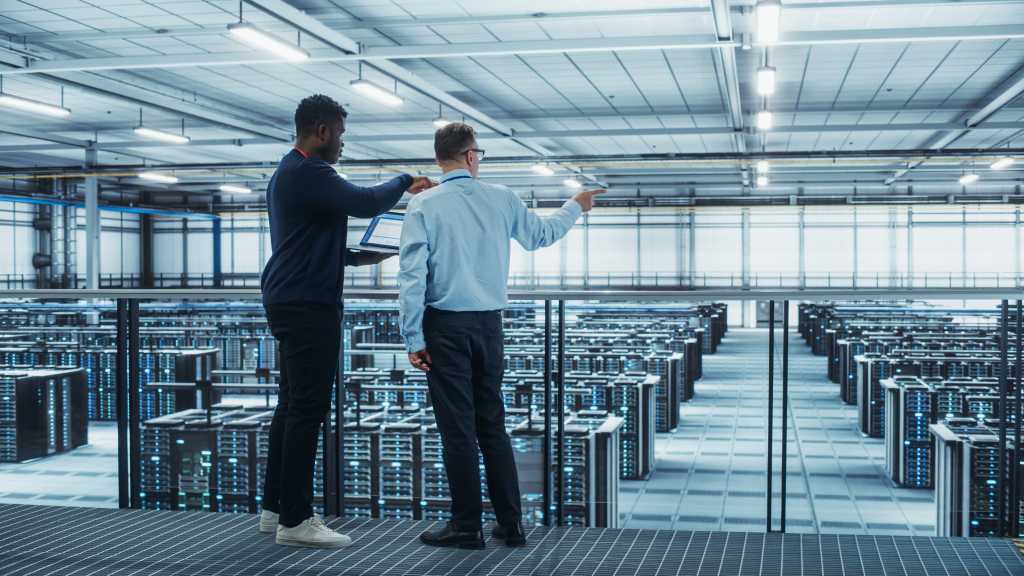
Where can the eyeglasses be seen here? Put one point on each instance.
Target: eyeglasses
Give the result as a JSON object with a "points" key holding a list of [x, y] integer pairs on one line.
{"points": [[479, 153]]}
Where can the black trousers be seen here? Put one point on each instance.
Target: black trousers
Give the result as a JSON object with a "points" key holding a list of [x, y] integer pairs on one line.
{"points": [[309, 336], [467, 354]]}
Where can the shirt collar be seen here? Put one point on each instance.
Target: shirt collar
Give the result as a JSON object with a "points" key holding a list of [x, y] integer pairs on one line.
{"points": [[459, 173], [303, 154]]}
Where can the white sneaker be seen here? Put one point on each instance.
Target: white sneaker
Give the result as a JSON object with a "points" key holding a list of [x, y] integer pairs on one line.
{"points": [[268, 522], [311, 533]]}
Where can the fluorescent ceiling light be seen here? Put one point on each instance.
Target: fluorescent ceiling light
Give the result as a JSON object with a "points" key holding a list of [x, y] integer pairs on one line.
{"points": [[440, 122], [766, 81], [169, 137], [34, 106], [231, 189], [768, 15], [1002, 163], [376, 92], [542, 169], [764, 120], [968, 179], [762, 181], [266, 42], [762, 166], [572, 183], [158, 177]]}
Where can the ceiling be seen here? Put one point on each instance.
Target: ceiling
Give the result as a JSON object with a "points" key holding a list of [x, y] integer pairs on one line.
{"points": [[651, 98]]}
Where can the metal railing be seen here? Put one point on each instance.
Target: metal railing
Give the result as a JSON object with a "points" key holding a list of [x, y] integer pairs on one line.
{"points": [[128, 352], [612, 280]]}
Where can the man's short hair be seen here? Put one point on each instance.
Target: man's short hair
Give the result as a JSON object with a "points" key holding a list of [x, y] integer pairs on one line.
{"points": [[317, 109], [452, 140]]}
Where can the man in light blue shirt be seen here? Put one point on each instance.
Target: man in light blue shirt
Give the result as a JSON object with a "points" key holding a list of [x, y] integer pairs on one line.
{"points": [[454, 269]]}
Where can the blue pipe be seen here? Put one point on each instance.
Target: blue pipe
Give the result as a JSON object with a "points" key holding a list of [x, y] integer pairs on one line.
{"points": [[109, 207]]}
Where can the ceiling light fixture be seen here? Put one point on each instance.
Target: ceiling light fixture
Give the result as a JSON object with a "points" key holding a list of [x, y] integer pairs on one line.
{"points": [[33, 106], [764, 120], [762, 166], [542, 169], [969, 178], [232, 189], [572, 183], [440, 121], [376, 92], [267, 42], [766, 80], [769, 13], [169, 137], [158, 177], [762, 181], [1003, 163]]}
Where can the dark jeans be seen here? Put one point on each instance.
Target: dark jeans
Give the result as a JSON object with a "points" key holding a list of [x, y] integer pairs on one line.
{"points": [[309, 336], [467, 354]]}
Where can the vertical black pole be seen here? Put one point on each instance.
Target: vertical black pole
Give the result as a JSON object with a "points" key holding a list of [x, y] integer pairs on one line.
{"points": [[121, 382], [1017, 456], [560, 406], [339, 424], [1004, 328], [547, 413], [771, 407], [134, 402], [785, 408]]}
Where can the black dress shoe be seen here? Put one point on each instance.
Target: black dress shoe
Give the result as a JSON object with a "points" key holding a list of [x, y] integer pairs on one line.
{"points": [[449, 537], [512, 535]]}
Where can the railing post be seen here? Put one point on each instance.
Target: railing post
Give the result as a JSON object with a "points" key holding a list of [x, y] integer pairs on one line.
{"points": [[771, 407], [785, 407], [1015, 527], [561, 411], [547, 413], [134, 402], [121, 383], [1004, 413]]}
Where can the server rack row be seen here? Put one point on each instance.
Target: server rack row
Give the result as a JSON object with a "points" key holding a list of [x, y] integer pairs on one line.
{"points": [[215, 460]]}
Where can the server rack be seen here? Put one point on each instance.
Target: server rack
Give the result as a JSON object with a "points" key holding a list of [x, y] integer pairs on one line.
{"points": [[967, 483], [871, 370], [909, 446], [42, 412]]}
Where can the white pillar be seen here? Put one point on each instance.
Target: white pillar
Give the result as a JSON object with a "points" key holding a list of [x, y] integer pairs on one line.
{"points": [[92, 223], [802, 264]]}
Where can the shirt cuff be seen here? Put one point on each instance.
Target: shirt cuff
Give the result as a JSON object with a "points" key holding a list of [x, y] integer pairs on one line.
{"points": [[574, 208], [414, 343], [407, 180]]}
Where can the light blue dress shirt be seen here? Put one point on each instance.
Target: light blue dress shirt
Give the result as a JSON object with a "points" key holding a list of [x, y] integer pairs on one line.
{"points": [[455, 247]]}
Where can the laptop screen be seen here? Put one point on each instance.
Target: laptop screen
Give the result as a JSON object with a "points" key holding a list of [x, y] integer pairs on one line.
{"points": [[384, 231]]}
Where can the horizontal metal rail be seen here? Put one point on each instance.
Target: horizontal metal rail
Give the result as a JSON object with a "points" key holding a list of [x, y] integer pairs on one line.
{"points": [[635, 294]]}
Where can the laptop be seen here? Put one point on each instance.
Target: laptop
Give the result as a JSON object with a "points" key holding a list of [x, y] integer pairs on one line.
{"points": [[383, 234]]}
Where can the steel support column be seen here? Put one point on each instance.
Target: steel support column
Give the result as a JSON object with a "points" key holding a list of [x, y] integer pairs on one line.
{"points": [[92, 224]]}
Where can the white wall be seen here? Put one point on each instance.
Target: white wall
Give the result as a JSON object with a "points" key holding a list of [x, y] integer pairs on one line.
{"points": [[873, 241]]}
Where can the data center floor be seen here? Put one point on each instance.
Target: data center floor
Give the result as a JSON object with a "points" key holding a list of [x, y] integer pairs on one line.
{"points": [[710, 472], [85, 476], [50, 540]]}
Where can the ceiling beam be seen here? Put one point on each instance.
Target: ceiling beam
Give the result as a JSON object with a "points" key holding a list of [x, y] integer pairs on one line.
{"points": [[523, 48], [120, 146], [726, 72], [373, 54]]}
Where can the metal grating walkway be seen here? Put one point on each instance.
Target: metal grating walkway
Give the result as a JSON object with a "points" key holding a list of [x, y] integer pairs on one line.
{"points": [[86, 542]]}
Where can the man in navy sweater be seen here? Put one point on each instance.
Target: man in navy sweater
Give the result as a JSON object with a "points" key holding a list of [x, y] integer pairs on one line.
{"points": [[309, 206]]}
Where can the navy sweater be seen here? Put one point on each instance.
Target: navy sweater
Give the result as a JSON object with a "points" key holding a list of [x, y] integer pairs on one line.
{"points": [[309, 206]]}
